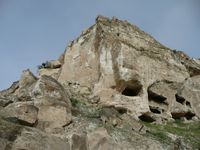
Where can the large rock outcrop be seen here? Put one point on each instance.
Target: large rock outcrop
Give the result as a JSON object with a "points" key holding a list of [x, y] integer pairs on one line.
{"points": [[16, 137], [119, 62], [42, 103], [114, 87]]}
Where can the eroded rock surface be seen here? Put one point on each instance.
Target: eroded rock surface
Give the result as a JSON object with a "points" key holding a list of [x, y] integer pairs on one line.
{"points": [[119, 62], [24, 111], [36, 140], [114, 87], [189, 94], [42, 103]]}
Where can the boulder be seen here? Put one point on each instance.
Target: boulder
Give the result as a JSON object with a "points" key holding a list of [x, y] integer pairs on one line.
{"points": [[26, 83], [53, 118], [135, 125], [49, 72], [79, 142], [25, 112], [99, 139], [54, 64], [47, 86], [53, 103], [50, 68], [33, 139], [17, 137]]}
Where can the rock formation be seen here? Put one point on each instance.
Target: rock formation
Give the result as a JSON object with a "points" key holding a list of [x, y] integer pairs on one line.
{"points": [[118, 57], [109, 90]]}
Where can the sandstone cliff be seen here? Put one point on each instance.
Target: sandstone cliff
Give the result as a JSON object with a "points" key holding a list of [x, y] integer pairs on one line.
{"points": [[114, 87]]}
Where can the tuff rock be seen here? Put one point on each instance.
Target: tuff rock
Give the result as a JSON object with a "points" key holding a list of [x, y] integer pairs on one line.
{"points": [[114, 87], [120, 62]]}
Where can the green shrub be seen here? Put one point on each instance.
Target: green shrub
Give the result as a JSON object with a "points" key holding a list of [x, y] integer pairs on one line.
{"points": [[45, 65], [189, 132], [74, 101]]}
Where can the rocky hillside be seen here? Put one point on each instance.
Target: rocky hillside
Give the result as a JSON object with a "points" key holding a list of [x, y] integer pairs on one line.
{"points": [[114, 88]]}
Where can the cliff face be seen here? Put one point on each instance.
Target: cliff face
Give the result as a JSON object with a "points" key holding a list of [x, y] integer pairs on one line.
{"points": [[119, 62], [101, 91]]}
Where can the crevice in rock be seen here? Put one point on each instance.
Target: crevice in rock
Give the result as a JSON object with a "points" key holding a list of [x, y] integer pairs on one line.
{"points": [[121, 110], [189, 115], [8, 103], [35, 124], [179, 99], [177, 115], [5, 102], [18, 121], [157, 98], [24, 123], [188, 104], [154, 110], [146, 118]]}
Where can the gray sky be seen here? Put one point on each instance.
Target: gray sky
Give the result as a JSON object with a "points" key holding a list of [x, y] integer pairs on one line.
{"points": [[33, 31]]}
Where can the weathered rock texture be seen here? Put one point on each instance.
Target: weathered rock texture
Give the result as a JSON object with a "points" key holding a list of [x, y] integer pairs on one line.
{"points": [[105, 92], [39, 102], [120, 62]]}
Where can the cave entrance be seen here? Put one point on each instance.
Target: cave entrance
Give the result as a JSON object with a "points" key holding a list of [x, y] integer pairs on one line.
{"points": [[188, 115], [128, 91], [156, 98], [179, 99], [146, 118], [132, 89], [155, 110]]}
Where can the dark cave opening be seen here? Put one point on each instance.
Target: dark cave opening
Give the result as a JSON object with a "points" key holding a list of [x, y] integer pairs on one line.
{"points": [[132, 90], [188, 104], [121, 110], [129, 92], [156, 98], [188, 115], [154, 110], [176, 115], [179, 99], [146, 118]]}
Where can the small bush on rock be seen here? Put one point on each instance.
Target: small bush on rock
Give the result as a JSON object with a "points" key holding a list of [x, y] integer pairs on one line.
{"points": [[44, 65]]}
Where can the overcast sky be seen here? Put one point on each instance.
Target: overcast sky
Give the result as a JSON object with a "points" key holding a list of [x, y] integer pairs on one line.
{"points": [[33, 31]]}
